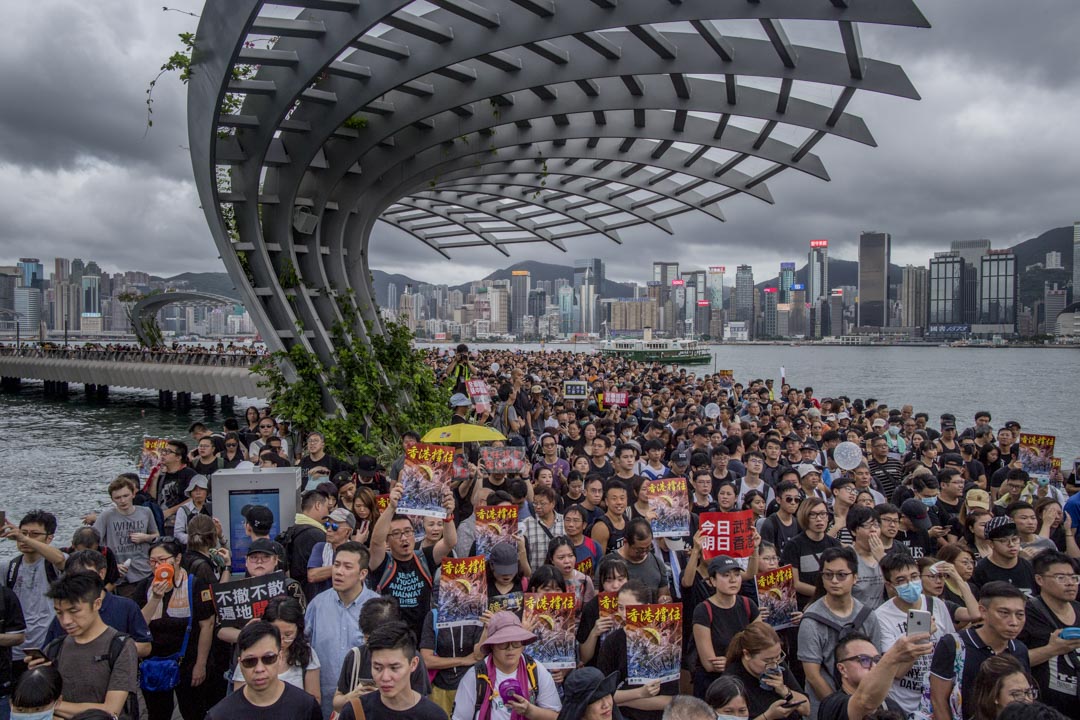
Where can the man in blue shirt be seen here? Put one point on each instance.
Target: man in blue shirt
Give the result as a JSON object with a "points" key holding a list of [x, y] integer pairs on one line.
{"points": [[333, 616]]}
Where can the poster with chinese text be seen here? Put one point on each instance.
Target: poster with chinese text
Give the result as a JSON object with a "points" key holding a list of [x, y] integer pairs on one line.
{"points": [[240, 601], [513, 602], [1036, 455], [480, 395], [426, 472], [653, 643], [551, 617], [730, 534], [727, 378], [668, 498], [609, 607], [503, 460], [462, 592], [616, 399], [150, 457], [495, 524], [776, 591]]}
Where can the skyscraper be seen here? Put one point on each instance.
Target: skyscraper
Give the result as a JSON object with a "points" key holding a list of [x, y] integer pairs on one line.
{"points": [[665, 272], [997, 294], [32, 273], [566, 309], [946, 305], [520, 284], [771, 301], [971, 251], [817, 270], [875, 254], [1053, 303], [588, 284], [1076, 261], [61, 269], [787, 279], [744, 294], [28, 310], [914, 295], [716, 287], [391, 295]]}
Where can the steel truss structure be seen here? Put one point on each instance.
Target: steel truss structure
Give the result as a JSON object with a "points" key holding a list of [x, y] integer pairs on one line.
{"points": [[486, 123]]}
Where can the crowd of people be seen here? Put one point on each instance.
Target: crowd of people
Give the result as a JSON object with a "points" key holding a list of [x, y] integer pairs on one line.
{"points": [[935, 579]]}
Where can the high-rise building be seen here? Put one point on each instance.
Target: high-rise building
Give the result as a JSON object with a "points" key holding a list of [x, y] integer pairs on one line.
{"points": [[566, 309], [771, 300], [28, 310], [537, 303], [1076, 261], [875, 253], [716, 287], [696, 289], [7, 294], [787, 279], [520, 285], [1054, 302], [946, 300], [997, 294], [631, 314], [61, 270], [588, 281], [914, 295], [91, 293], [665, 272], [971, 251], [1053, 261], [499, 300], [744, 294], [817, 270], [797, 320], [836, 324], [31, 273], [391, 295]]}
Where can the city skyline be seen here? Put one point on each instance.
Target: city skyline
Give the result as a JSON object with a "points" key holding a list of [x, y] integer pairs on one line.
{"points": [[99, 187]]}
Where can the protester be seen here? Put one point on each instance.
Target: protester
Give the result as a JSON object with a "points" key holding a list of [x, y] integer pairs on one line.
{"points": [[29, 575]]}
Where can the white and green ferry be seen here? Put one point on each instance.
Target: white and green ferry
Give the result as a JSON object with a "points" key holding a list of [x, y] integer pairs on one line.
{"points": [[647, 349]]}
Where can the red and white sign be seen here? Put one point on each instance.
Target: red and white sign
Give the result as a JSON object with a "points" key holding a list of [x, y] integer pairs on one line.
{"points": [[730, 534], [771, 290], [703, 303], [679, 282], [717, 269], [819, 243], [616, 398]]}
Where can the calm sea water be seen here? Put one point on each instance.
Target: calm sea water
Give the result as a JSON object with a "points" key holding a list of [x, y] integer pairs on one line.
{"points": [[61, 454]]}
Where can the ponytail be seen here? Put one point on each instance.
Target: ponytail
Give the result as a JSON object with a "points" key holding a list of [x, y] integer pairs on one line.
{"points": [[754, 638]]}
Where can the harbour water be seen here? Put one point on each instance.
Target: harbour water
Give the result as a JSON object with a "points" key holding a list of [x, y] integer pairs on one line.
{"points": [[61, 454]]}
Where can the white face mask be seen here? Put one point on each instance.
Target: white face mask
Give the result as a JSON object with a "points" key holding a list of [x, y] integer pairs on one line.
{"points": [[40, 715]]}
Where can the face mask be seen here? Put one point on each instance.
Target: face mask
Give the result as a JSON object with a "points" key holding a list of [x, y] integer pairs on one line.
{"points": [[43, 715], [894, 430], [910, 592], [729, 717], [930, 501]]}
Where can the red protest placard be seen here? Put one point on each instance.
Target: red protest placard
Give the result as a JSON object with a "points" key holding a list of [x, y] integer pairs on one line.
{"points": [[619, 399], [730, 534], [480, 395]]}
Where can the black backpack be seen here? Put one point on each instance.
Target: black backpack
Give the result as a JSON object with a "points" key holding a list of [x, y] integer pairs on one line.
{"points": [[51, 573], [287, 540], [853, 625], [116, 646]]}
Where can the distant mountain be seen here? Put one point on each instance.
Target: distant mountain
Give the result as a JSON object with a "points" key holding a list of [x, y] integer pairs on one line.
{"points": [[841, 272], [539, 271]]}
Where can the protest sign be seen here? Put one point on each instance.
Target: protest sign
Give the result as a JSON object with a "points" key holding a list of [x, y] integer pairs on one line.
{"points": [[616, 399], [239, 601], [609, 607], [150, 457], [727, 378], [462, 592], [653, 643], [513, 602], [1036, 455], [495, 525], [730, 534], [503, 460], [776, 591], [551, 617], [575, 390], [426, 472], [480, 395], [668, 498]]}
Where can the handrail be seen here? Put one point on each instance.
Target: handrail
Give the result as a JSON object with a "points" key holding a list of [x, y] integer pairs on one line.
{"points": [[205, 358]]}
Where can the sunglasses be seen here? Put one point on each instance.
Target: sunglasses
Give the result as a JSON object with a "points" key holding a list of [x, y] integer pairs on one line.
{"points": [[269, 660], [867, 661], [331, 526]]}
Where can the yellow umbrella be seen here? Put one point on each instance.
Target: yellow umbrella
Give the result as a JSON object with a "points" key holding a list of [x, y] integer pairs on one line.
{"points": [[462, 433]]}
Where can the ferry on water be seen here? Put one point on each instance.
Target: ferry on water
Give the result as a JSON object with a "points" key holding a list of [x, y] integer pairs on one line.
{"points": [[671, 351]]}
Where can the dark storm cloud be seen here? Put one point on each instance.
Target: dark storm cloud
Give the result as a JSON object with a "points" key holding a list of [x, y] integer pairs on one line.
{"points": [[989, 151]]}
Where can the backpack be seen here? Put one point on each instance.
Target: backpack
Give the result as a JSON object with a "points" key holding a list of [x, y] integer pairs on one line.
{"points": [[693, 660], [143, 499], [287, 541], [116, 646], [391, 571], [484, 684], [842, 629], [51, 573]]}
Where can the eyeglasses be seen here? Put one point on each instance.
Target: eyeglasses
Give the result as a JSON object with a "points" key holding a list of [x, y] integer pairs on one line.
{"points": [[1032, 693], [1064, 578], [331, 526], [790, 499], [397, 534], [169, 451], [866, 661], [818, 515], [231, 445], [513, 645], [269, 660], [1011, 540], [890, 521], [836, 575], [775, 661], [35, 534], [264, 427], [871, 525]]}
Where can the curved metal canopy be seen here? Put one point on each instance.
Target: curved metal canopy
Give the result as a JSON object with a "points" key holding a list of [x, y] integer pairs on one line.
{"points": [[486, 123], [150, 305]]}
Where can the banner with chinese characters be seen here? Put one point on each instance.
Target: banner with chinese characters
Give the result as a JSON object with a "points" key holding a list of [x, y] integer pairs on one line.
{"points": [[240, 601], [382, 502], [776, 592], [551, 618], [669, 500], [462, 592], [495, 525], [653, 643], [503, 460], [513, 602], [727, 378], [730, 534], [1036, 455], [609, 607], [426, 472], [575, 390], [480, 395], [150, 457], [616, 399]]}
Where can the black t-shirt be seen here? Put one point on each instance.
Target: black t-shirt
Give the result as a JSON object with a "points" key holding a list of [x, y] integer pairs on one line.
{"points": [[775, 532], [975, 652], [375, 710], [418, 680], [804, 554], [207, 469], [759, 699], [410, 584], [304, 539], [834, 707], [919, 544], [1022, 575], [1057, 676], [612, 658], [167, 631], [171, 487], [329, 462], [448, 642], [725, 622], [378, 484], [294, 704], [11, 621]]}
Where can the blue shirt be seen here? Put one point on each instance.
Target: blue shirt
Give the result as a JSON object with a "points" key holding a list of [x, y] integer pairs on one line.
{"points": [[1072, 506], [333, 630], [119, 613]]}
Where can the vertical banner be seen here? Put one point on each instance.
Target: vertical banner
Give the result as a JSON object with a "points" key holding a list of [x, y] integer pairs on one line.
{"points": [[653, 643], [480, 395], [776, 591], [150, 457], [730, 534], [668, 498], [1037, 456], [428, 469], [551, 618], [462, 592]]}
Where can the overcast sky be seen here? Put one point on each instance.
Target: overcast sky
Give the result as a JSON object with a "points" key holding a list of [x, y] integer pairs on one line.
{"points": [[991, 150]]}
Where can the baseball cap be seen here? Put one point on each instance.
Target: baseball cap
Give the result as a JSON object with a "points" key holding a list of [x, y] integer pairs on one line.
{"points": [[879, 422], [680, 458], [722, 564], [952, 459], [805, 469], [977, 498], [843, 416], [915, 511], [504, 560], [459, 400], [1000, 527], [367, 466], [536, 390], [259, 517], [341, 515], [266, 546]]}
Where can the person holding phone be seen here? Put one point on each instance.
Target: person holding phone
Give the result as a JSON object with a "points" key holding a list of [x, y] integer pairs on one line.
{"points": [[756, 658], [902, 575], [867, 677]]}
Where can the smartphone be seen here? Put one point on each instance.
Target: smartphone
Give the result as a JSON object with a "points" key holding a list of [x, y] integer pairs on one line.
{"points": [[918, 622], [1070, 633], [795, 702], [3, 518], [35, 653]]}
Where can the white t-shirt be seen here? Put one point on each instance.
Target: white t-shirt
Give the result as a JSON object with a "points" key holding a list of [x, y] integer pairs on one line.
{"points": [[293, 676], [907, 690], [547, 695]]}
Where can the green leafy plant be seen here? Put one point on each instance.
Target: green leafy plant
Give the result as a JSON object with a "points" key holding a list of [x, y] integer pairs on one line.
{"points": [[288, 276], [179, 61], [356, 122]]}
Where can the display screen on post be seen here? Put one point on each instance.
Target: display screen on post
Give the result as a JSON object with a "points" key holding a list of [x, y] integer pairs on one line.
{"points": [[238, 539]]}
